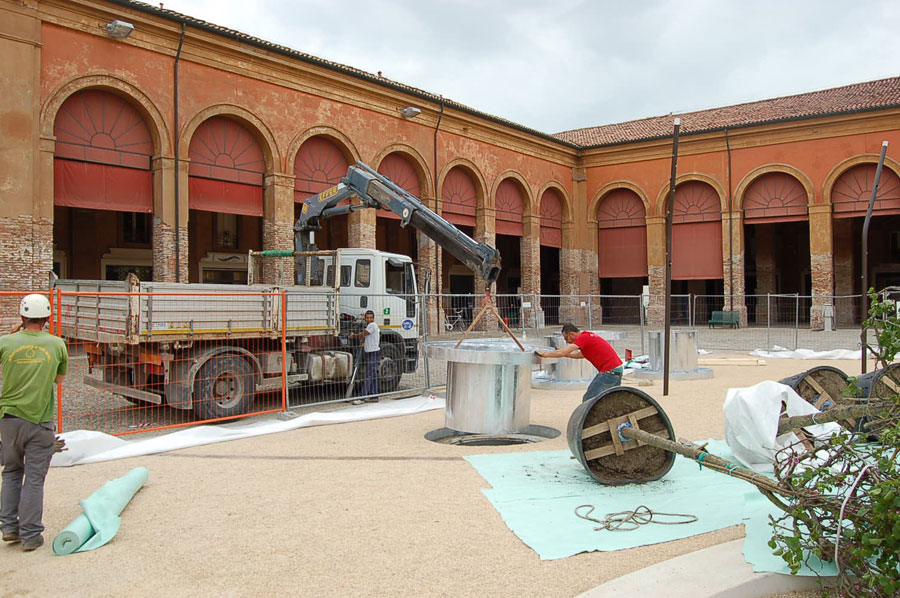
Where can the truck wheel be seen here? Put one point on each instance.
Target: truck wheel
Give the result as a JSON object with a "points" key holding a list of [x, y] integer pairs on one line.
{"points": [[223, 388], [391, 368]]}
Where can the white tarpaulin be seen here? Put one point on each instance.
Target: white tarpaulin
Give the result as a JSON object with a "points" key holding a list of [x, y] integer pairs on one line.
{"points": [[751, 422], [85, 446], [782, 353]]}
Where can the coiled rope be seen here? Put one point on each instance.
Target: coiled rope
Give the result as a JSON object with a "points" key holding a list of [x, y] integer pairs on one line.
{"points": [[626, 521]]}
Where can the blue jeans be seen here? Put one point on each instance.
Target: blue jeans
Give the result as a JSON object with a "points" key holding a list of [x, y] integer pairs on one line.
{"points": [[370, 382], [602, 382]]}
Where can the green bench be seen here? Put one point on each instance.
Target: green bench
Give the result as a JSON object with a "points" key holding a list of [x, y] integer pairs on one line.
{"points": [[732, 319]]}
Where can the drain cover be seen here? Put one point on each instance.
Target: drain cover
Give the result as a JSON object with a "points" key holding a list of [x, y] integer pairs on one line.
{"points": [[531, 435]]}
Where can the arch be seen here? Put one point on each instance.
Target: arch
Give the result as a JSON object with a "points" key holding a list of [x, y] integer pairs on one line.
{"points": [[686, 178], [320, 162], [595, 200], [426, 181], [162, 142], [552, 210], [510, 200], [848, 164], [621, 208], [775, 197], [524, 189], [226, 168], [563, 195], [347, 146], [102, 154], [750, 178], [473, 171], [256, 127], [852, 191], [404, 173]]}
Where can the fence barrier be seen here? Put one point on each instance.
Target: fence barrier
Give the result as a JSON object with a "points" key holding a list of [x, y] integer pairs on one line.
{"points": [[155, 360]]}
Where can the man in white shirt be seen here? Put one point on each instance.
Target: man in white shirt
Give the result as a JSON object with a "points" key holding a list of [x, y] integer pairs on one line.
{"points": [[371, 336]]}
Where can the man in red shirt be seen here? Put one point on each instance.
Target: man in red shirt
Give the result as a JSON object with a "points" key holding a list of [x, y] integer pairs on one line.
{"points": [[587, 345]]}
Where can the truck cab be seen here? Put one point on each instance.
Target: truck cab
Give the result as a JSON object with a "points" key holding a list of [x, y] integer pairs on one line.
{"points": [[384, 283]]}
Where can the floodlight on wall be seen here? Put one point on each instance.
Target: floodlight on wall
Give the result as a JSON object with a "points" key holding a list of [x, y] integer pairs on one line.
{"points": [[119, 29], [410, 112]]}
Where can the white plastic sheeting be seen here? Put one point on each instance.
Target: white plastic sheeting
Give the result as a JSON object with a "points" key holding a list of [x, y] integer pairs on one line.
{"points": [[751, 422], [85, 446], [782, 353]]}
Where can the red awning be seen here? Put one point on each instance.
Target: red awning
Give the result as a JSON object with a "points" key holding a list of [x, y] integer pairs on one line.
{"points": [[697, 250], [223, 196], [622, 252], [102, 187]]}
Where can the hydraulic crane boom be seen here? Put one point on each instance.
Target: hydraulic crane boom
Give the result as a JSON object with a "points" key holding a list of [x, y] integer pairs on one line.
{"points": [[377, 191]]}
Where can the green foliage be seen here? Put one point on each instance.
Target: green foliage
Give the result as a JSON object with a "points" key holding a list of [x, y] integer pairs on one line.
{"points": [[845, 494]]}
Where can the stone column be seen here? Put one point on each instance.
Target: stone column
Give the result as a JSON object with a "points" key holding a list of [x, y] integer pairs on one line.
{"points": [[429, 256], [278, 228], [656, 270], [530, 248], [765, 269], [184, 210], [164, 262], [26, 160], [361, 231], [846, 311], [820, 263], [733, 269], [485, 232]]}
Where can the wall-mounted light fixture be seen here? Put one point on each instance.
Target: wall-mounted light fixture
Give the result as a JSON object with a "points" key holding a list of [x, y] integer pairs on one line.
{"points": [[119, 29], [410, 112]]}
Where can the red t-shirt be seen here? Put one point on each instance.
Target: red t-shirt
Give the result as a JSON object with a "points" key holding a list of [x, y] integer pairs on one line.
{"points": [[596, 350]]}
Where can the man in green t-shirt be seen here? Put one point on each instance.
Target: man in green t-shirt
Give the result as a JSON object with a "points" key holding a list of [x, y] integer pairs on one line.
{"points": [[32, 361]]}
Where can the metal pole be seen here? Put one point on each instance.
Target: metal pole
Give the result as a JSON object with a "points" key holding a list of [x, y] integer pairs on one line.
{"points": [[730, 229], [864, 303], [668, 312], [768, 320], [796, 320], [641, 312], [590, 312], [424, 307]]}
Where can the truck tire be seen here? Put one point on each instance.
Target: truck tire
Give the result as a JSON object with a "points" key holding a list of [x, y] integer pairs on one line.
{"points": [[391, 367], [223, 388]]}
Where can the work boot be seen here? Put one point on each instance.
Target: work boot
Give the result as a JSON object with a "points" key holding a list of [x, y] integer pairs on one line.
{"points": [[11, 537], [32, 543]]}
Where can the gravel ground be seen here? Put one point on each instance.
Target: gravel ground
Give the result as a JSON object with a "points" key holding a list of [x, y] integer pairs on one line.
{"points": [[359, 509]]}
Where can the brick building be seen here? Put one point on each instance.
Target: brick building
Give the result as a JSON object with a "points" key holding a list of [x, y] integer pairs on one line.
{"points": [[172, 151]]}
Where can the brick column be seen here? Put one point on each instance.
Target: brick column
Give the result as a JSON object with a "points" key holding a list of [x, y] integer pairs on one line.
{"points": [[164, 263], [361, 231], [184, 211], [765, 269], [733, 269], [530, 248], [278, 228], [843, 256], [485, 232], [820, 263], [656, 269]]}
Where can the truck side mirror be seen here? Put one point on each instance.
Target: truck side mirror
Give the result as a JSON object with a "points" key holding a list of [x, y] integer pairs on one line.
{"points": [[363, 301]]}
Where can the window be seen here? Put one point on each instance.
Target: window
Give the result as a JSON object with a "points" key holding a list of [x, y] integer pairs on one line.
{"points": [[398, 277], [122, 272], [118, 262], [363, 273], [136, 228], [226, 233], [345, 276]]}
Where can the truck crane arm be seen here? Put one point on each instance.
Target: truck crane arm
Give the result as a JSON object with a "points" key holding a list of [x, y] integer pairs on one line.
{"points": [[377, 191]]}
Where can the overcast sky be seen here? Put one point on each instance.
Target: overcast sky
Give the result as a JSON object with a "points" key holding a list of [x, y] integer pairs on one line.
{"points": [[556, 65]]}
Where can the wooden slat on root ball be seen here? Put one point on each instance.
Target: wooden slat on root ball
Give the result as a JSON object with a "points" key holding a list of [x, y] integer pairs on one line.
{"points": [[823, 387], [594, 438]]}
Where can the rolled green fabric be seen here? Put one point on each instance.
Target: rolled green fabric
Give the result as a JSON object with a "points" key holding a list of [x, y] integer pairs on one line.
{"points": [[100, 521]]}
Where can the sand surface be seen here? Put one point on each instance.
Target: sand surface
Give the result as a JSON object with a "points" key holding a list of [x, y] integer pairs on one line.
{"points": [[359, 509]]}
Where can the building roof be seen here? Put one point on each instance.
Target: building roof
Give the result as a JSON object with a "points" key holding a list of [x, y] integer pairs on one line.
{"points": [[872, 95], [336, 66]]}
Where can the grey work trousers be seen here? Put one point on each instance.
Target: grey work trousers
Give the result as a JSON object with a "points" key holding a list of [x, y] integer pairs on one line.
{"points": [[26, 452]]}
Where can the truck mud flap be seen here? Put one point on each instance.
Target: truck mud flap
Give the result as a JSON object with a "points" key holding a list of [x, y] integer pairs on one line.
{"points": [[125, 391]]}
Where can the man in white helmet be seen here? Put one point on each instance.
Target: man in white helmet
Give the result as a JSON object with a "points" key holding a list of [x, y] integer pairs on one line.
{"points": [[32, 361]]}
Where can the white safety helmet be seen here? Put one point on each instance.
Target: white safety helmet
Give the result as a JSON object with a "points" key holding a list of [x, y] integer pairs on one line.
{"points": [[35, 306]]}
